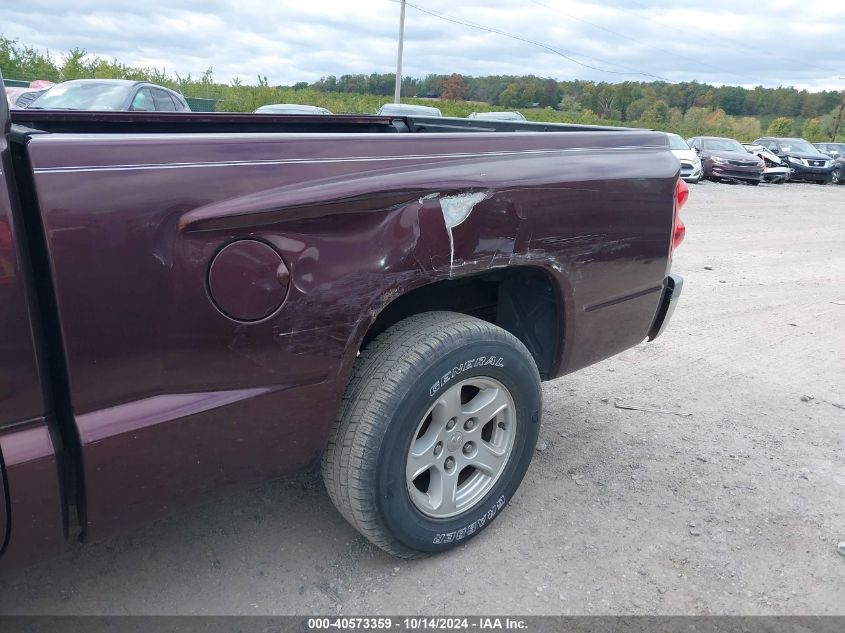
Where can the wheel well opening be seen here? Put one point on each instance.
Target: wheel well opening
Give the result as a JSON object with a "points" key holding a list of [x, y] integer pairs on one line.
{"points": [[522, 300]]}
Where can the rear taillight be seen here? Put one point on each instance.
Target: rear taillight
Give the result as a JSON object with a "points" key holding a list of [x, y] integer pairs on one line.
{"points": [[678, 228]]}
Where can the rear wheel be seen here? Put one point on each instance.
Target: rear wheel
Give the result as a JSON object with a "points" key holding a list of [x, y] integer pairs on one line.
{"points": [[435, 433]]}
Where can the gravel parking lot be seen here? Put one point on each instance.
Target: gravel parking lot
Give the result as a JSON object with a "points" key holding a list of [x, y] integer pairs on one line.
{"points": [[736, 508]]}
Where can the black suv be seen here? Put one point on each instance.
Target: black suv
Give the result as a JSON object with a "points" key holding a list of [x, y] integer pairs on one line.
{"points": [[837, 152], [807, 162]]}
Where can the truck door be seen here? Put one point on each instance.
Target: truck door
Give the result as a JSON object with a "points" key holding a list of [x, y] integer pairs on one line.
{"points": [[31, 515]]}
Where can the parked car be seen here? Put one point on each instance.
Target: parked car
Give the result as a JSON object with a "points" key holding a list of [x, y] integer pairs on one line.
{"points": [[775, 170], [291, 108], [110, 95], [837, 152], [497, 116], [221, 301], [807, 162], [21, 97], [833, 150], [406, 109], [727, 159], [837, 175], [691, 168], [24, 95]]}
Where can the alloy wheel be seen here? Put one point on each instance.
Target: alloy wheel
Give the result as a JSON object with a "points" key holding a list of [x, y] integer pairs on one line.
{"points": [[461, 447]]}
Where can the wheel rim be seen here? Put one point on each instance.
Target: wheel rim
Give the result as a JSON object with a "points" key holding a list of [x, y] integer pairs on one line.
{"points": [[835, 176], [461, 447]]}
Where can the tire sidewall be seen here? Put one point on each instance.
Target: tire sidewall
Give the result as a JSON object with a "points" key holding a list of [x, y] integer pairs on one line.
{"points": [[502, 361]]}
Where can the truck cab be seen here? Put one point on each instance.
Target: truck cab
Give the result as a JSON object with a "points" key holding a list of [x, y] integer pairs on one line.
{"points": [[29, 464]]}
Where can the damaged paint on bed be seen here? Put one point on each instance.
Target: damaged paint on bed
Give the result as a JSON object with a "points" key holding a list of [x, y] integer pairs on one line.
{"points": [[455, 210]]}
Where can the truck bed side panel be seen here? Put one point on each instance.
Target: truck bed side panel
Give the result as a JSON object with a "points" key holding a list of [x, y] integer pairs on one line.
{"points": [[172, 397]]}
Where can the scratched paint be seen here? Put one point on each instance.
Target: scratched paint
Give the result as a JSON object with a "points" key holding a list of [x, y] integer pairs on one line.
{"points": [[456, 209]]}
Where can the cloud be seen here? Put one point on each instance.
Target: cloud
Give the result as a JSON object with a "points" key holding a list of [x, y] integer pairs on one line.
{"points": [[721, 41]]}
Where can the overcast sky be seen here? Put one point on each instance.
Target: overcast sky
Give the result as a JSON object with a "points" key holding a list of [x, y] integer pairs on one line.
{"points": [[768, 42]]}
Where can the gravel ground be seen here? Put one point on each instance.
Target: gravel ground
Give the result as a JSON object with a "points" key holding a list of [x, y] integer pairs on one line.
{"points": [[736, 508]]}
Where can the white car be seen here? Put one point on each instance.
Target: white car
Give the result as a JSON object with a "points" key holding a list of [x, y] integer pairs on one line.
{"points": [[291, 108], [497, 116], [407, 109], [691, 169]]}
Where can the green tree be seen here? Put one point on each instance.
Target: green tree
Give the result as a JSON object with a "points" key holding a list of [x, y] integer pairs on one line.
{"points": [[26, 63], [570, 104], [605, 100], [518, 94], [511, 97], [635, 110], [656, 116], [814, 131], [746, 128], [731, 99], [781, 126], [74, 66]]}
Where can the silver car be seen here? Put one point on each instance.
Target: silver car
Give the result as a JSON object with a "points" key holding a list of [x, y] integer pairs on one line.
{"points": [[119, 95]]}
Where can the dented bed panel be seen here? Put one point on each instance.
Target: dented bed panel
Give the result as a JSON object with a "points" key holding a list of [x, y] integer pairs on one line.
{"points": [[162, 379]]}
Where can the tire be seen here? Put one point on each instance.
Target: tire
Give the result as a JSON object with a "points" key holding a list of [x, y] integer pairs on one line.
{"points": [[836, 177], [408, 385], [753, 183]]}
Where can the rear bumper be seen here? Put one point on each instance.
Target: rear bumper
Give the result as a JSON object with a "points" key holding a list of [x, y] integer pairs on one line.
{"points": [[672, 288]]}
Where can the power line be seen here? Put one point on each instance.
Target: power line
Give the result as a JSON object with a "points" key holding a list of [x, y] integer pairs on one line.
{"points": [[740, 43], [632, 39], [543, 45]]}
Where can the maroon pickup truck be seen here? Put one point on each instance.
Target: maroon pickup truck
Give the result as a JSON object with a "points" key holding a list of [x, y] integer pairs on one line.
{"points": [[189, 301]]}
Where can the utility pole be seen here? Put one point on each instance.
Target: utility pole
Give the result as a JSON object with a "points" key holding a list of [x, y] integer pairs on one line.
{"points": [[838, 121], [397, 93]]}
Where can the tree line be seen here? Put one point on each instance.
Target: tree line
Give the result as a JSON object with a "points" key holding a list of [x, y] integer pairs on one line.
{"points": [[687, 108], [624, 101]]}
